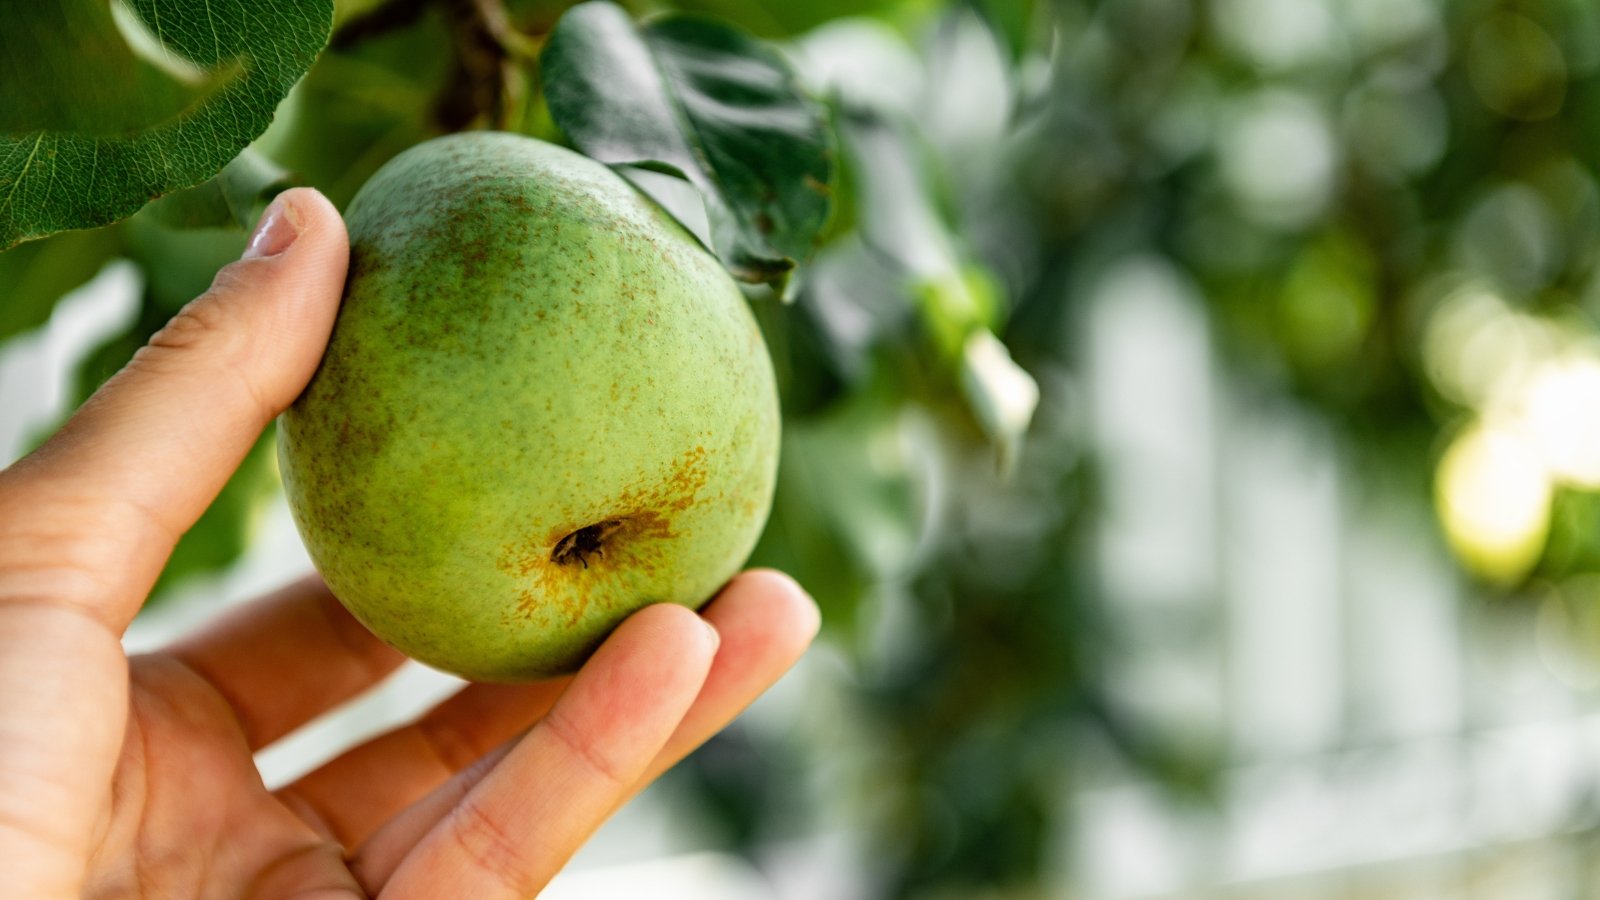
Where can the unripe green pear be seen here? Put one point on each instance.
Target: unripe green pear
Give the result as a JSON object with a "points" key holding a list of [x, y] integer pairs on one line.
{"points": [[544, 406]]}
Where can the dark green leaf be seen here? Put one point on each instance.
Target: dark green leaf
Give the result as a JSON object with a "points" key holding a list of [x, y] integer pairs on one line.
{"points": [[98, 114], [699, 99], [1012, 21], [959, 301], [35, 275], [67, 66], [234, 198], [782, 20]]}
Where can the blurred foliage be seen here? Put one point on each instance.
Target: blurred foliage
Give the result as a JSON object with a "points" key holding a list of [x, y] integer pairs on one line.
{"points": [[1389, 208]]}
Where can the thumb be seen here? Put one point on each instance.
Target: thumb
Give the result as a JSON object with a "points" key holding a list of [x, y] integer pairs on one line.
{"points": [[155, 444]]}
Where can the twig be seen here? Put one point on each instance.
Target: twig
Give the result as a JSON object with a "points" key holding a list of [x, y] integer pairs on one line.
{"points": [[492, 15], [385, 17]]}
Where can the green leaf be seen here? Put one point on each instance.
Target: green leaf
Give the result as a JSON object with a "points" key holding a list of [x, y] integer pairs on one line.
{"points": [[784, 20], [1012, 21], [99, 113], [1001, 395], [235, 198], [958, 301], [898, 215], [35, 275], [85, 66], [701, 100]]}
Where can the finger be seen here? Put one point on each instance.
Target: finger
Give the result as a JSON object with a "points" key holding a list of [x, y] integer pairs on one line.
{"points": [[765, 622], [351, 796], [139, 462], [515, 828], [286, 658]]}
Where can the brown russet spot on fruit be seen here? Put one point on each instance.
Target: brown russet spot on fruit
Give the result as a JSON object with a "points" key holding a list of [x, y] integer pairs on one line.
{"points": [[563, 565]]}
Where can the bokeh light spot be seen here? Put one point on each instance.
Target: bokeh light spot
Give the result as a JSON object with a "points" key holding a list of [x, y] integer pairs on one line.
{"points": [[1560, 406], [1278, 157], [1493, 496]]}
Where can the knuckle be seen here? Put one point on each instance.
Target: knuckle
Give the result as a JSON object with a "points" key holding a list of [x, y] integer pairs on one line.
{"points": [[582, 751], [492, 850], [198, 322], [69, 586], [447, 745], [203, 333]]}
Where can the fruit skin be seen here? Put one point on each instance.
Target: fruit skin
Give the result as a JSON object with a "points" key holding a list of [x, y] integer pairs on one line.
{"points": [[544, 405]]}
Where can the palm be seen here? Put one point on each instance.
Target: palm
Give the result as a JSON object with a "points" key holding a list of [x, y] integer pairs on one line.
{"points": [[187, 760]]}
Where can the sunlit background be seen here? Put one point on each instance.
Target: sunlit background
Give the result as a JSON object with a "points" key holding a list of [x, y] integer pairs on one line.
{"points": [[1292, 589]]}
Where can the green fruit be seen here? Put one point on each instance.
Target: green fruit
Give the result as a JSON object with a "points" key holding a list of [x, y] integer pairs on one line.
{"points": [[544, 406]]}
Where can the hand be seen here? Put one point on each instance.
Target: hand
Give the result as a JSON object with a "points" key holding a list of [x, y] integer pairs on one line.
{"points": [[134, 778]]}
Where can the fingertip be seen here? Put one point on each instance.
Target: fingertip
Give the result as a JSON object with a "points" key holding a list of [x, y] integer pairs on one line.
{"points": [[777, 588], [767, 621], [316, 219], [664, 645], [284, 293], [299, 230], [677, 626], [309, 269]]}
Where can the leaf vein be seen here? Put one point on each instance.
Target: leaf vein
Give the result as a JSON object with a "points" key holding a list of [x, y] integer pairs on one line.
{"points": [[694, 139], [26, 164]]}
